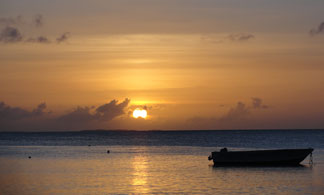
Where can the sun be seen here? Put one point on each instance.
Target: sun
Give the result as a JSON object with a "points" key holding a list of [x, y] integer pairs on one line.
{"points": [[139, 113]]}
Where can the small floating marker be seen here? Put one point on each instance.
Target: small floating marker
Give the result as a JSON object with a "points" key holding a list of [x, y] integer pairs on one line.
{"points": [[108, 151], [89, 145], [29, 156]]}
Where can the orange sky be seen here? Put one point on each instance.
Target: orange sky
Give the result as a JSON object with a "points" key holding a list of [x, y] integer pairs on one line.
{"points": [[192, 64]]}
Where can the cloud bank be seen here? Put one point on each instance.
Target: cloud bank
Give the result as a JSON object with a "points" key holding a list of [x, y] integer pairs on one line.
{"points": [[15, 113], [19, 119]]}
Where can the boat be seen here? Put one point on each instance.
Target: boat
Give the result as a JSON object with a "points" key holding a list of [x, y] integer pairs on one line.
{"points": [[277, 157]]}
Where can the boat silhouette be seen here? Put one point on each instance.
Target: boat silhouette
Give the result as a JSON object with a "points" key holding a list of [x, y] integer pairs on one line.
{"points": [[277, 157]]}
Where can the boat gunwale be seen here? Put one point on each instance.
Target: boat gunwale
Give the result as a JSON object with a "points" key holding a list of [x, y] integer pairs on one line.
{"points": [[269, 150]]}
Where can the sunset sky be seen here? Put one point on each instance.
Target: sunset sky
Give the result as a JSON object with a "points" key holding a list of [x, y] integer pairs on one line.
{"points": [[192, 64]]}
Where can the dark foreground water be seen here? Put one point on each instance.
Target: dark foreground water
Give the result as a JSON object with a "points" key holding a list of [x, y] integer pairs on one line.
{"points": [[163, 162]]}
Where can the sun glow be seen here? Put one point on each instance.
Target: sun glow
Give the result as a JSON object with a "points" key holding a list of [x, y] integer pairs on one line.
{"points": [[139, 113]]}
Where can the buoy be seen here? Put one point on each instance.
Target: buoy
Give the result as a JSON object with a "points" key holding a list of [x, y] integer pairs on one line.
{"points": [[89, 145], [29, 156], [108, 151]]}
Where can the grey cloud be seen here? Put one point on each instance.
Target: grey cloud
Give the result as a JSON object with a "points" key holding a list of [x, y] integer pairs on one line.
{"points": [[78, 115], [111, 110], [39, 110], [16, 118], [238, 116], [10, 35], [238, 112], [64, 37], [38, 20], [318, 30], [144, 107], [16, 113], [105, 112], [241, 110], [214, 39], [240, 37], [39, 39]]}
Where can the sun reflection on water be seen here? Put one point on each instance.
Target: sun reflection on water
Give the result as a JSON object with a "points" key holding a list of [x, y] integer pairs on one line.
{"points": [[140, 174]]}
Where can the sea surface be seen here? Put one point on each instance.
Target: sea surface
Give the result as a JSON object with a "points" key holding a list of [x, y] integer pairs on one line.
{"points": [[153, 162]]}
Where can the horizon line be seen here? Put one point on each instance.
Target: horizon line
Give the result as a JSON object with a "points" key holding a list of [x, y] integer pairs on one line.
{"points": [[157, 130]]}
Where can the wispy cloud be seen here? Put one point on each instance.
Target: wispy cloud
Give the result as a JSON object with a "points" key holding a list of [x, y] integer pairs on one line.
{"points": [[257, 103], [236, 37], [39, 39], [237, 116], [8, 21], [237, 112], [242, 110], [38, 20], [318, 30], [62, 38], [11, 33], [240, 37]]}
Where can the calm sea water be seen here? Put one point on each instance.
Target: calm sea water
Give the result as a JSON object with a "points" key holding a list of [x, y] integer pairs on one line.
{"points": [[162, 162]]}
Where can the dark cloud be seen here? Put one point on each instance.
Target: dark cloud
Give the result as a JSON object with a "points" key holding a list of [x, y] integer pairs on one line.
{"points": [[64, 37], [111, 110], [105, 112], [240, 37], [10, 35], [12, 113], [38, 20], [16, 113], [78, 115], [8, 21], [39, 110], [318, 30], [40, 39], [19, 119], [257, 103]]}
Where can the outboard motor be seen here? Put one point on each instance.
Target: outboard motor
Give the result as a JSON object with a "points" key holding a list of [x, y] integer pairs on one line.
{"points": [[223, 150]]}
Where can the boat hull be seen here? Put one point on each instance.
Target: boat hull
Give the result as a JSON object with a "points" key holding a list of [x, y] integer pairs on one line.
{"points": [[284, 157]]}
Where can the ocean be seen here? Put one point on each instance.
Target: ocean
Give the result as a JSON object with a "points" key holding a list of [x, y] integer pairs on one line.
{"points": [[153, 162]]}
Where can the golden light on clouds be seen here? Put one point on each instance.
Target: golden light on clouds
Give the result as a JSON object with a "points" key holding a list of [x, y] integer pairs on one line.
{"points": [[139, 113]]}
